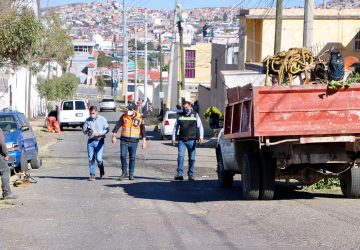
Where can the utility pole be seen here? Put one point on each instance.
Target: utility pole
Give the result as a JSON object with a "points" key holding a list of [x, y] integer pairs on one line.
{"points": [[115, 71], [182, 61], [172, 61], [324, 4], [146, 60], [308, 23], [161, 71], [125, 56], [278, 26], [136, 68]]}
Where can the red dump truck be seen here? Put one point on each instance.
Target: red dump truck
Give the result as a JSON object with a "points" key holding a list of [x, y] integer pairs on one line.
{"points": [[304, 132]]}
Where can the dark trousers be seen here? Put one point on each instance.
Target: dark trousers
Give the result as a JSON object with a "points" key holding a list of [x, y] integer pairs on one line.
{"points": [[5, 177]]}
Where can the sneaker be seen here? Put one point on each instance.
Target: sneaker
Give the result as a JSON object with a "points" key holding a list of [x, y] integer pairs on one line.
{"points": [[123, 176], [178, 178], [91, 178], [102, 174], [131, 178], [10, 197], [191, 178]]}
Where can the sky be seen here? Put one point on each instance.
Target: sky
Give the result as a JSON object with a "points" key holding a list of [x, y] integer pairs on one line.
{"points": [[169, 4]]}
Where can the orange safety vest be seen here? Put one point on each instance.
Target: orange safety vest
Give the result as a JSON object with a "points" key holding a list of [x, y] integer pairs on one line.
{"points": [[131, 126]]}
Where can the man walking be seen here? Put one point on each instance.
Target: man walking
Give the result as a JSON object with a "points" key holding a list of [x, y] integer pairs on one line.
{"points": [[130, 128], [95, 127], [188, 124], [162, 113], [5, 170]]}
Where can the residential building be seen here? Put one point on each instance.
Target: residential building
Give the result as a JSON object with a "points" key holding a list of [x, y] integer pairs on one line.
{"points": [[197, 68], [83, 60], [224, 56], [331, 27]]}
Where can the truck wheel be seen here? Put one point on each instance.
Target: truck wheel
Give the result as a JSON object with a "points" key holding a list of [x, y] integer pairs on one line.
{"points": [[23, 162], [267, 177], [250, 177], [350, 183], [35, 161], [225, 178]]}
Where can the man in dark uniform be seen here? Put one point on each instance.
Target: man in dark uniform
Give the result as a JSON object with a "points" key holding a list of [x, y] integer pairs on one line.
{"points": [[5, 170], [188, 124]]}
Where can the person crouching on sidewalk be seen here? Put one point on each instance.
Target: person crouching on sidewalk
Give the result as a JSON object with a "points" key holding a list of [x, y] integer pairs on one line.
{"points": [[130, 128]]}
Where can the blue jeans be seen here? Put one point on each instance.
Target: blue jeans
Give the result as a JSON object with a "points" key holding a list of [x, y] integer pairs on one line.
{"points": [[125, 148], [95, 150], [190, 146]]}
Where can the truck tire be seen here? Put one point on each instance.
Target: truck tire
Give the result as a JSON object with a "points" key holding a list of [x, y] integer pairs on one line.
{"points": [[225, 178], [350, 183], [267, 177], [35, 162], [250, 176]]}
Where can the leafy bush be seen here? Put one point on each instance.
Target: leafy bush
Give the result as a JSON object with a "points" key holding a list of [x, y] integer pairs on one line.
{"points": [[58, 88]]}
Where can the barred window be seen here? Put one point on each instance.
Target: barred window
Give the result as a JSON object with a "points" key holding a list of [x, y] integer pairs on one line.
{"points": [[357, 41], [190, 56]]}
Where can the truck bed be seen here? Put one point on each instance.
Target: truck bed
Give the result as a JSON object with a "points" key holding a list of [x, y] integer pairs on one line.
{"points": [[301, 110]]}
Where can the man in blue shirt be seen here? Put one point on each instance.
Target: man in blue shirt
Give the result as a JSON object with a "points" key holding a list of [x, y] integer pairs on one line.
{"points": [[95, 127]]}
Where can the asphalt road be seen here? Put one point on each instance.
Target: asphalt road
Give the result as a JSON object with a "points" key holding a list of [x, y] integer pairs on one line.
{"points": [[65, 211]]}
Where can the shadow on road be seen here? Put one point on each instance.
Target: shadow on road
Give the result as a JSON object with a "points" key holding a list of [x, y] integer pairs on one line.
{"points": [[203, 191], [197, 191]]}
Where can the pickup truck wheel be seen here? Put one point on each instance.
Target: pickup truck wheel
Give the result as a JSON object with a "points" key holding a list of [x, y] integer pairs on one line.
{"points": [[250, 176], [350, 183], [35, 162], [267, 177], [225, 178], [23, 162]]}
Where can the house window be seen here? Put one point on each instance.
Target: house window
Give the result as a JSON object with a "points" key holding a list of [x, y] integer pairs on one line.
{"points": [[231, 55], [357, 41], [190, 56]]}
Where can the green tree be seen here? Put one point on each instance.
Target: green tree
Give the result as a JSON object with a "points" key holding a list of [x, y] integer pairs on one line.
{"points": [[57, 45], [58, 88], [103, 60], [225, 17], [20, 37], [100, 84]]}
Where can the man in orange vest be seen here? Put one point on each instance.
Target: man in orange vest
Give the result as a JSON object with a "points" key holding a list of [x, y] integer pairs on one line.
{"points": [[130, 128]]}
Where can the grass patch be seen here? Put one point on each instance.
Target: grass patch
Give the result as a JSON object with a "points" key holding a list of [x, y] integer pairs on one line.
{"points": [[329, 183]]}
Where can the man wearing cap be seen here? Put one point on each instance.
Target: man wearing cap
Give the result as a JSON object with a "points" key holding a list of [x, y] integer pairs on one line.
{"points": [[191, 130], [130, 128]]}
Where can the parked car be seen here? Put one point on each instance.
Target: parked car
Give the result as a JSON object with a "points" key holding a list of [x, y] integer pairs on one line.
{"points": [[73, 113], [168, 123], [107, 104], [20, 140]]}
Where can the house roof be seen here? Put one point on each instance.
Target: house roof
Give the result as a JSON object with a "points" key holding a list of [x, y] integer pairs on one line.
{"points": [[298, 13]]}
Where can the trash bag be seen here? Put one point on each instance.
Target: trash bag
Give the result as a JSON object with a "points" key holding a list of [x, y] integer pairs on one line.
{"points": [[336, 66]]}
